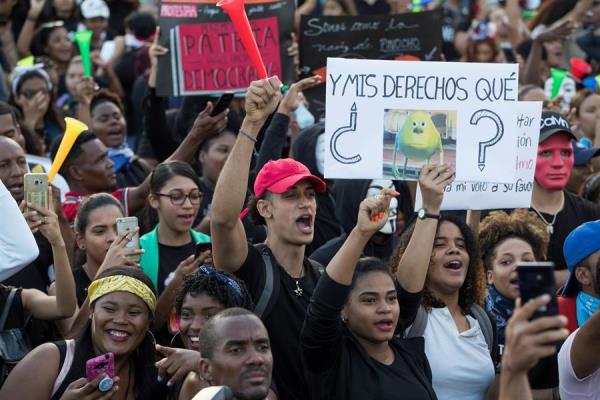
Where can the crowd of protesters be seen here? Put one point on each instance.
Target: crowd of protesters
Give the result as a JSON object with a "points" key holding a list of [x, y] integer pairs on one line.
{"points": [[255, 276]]}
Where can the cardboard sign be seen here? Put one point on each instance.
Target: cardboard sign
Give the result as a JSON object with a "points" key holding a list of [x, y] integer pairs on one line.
{"points": [[411, 36], [206, 55], [515, 194], [386, 119]]}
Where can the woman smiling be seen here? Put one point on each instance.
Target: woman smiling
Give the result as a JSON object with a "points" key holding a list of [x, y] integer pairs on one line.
{"points": [[122, 302]]}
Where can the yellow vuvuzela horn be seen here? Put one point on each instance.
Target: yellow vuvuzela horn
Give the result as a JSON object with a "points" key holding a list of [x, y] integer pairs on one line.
{"points": [[73, 130]]}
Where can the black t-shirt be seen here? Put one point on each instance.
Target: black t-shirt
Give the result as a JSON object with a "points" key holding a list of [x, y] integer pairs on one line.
{"points": [[396, 384], [575, 212], [169, 258], [284, 321], [82, 282]]}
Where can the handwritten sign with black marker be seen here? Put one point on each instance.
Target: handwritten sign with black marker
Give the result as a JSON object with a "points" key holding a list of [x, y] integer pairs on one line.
{"points": [[411, 36], [386, 119], [206, 54], [515, 194]]}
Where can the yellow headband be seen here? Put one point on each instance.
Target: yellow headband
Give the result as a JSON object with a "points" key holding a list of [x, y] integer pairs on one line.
{"points": [[122, 283]]}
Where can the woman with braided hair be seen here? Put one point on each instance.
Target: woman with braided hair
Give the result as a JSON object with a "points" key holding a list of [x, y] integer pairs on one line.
{"points": [[202, 295]]}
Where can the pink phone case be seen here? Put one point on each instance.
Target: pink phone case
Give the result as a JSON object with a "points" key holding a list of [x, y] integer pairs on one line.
{"points": [[104, 363]]}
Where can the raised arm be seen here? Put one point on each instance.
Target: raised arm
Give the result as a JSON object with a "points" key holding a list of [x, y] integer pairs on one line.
{"points": [[527, 341], [320, 333], [28, 29], [412, 267], [228, 236], [64, 303]]}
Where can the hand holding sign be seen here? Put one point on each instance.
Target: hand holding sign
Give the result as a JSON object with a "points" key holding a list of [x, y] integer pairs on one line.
{"points": [[262, 99], [433, 179]]}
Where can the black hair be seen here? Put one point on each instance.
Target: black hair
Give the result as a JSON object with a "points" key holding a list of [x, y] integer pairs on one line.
{"points": [[216, 287], [208, 335], [367, 265], [41, 37], [82, 219], [473, 289], [106, 96], [159, 177], [143, 357], [6, 108], [76, 150], [142, 24]]}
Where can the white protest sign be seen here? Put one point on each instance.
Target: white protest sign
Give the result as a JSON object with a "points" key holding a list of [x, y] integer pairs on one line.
{"points": [[516, 194], [385, 119]]}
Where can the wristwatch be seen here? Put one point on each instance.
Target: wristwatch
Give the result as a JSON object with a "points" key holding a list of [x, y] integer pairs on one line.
{"points": [[422, 214]]}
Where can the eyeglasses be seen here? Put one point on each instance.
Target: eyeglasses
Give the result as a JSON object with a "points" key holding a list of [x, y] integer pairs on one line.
{"points": [[177, 197]]}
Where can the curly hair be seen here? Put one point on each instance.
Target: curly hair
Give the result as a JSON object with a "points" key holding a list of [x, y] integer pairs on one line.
{"points": [[521, 224], [215, 285], [473, 290]]}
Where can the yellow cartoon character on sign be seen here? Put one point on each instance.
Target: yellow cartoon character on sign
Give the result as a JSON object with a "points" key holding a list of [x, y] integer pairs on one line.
{"points": [[418, 139]]}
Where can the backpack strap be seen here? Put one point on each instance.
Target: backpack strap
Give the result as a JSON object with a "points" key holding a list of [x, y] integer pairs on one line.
{"points": [[317, 266], [7, 307], [486, 325], [67, 354], [417, 329], [267, 292]]}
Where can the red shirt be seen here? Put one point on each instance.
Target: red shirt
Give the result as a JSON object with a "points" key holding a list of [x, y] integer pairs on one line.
{"points": [[73, 201]]}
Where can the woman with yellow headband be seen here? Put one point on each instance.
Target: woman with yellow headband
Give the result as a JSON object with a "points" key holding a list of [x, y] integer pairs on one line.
{"points": [[122, 301]]}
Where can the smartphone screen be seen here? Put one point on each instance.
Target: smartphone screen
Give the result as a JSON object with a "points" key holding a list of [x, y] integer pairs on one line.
{"points": [[222, 104], [509, 53], [536, 279]]}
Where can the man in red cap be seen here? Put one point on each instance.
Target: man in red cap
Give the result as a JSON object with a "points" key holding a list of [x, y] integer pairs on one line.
{"points": [[279, 277]]}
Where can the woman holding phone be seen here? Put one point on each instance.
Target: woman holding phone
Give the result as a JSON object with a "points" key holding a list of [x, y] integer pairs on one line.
{"points": [[122, 302]]}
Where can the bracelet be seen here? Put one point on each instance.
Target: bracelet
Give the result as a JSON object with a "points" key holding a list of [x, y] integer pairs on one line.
{"points": [[248, 136]]}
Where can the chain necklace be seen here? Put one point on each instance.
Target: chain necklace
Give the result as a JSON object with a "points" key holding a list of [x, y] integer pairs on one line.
{"points": [[550, 225], [298, 291]]}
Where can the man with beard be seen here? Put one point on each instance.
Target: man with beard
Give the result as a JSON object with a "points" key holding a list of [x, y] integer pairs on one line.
{"points": [[236, 352], [579, 357]]}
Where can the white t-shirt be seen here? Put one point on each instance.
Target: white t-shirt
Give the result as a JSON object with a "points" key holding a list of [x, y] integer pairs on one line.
{"points": [[571, 387], [17, 244], [461, 364]]}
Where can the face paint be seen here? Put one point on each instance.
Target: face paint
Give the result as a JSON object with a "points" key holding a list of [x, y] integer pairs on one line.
{"points": [[374, 188], [320, 154], [554, 162]]}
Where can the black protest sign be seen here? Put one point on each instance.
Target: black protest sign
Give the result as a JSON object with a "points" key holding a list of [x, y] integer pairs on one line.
{"points": [[206, 54], [411, 36]]}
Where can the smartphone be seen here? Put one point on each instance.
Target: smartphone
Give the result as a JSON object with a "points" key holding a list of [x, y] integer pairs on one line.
{"points": [[36, 189], [222, 104], [509, 52], [536, 279], [129, 224], [202, 247], [104, 363]]}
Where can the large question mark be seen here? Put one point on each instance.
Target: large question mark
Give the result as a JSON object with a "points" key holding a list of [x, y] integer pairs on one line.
{"points": [[338, 133], [483, 146]]}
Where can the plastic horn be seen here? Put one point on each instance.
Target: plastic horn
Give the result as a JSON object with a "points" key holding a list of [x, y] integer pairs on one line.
{"points": [[237, 13], [84, 41], [558, 76], [74, 129]]}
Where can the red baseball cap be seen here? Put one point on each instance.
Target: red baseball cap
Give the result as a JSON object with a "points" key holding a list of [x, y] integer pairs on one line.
{"points": [[280, 175]]}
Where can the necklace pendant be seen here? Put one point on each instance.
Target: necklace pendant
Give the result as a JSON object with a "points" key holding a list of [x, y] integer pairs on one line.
{"points": [[550, 229], [298, 291]]}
